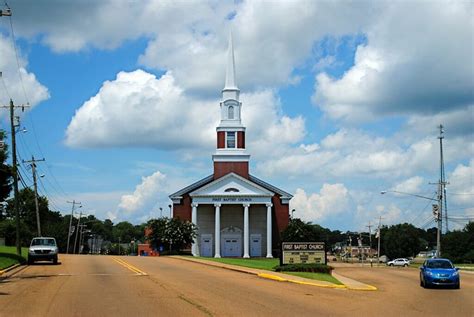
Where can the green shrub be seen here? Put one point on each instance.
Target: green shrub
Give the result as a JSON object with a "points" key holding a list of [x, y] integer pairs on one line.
{"points": [[15, 257], [313, 268]]}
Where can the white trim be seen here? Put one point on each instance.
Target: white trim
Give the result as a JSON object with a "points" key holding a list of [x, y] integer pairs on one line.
{"points": [[230, 128], [194, 246], [256, 190], [269, 231], [217, 229], [230, 157], [236, 200], [246, 231]]}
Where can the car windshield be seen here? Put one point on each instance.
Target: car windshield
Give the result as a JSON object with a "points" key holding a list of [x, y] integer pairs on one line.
{"points": [[49, 242], [439, 265]]}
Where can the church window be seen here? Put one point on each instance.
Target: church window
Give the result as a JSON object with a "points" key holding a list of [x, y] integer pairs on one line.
{"points": [[230, 139], [230, 112], [231, 190]]}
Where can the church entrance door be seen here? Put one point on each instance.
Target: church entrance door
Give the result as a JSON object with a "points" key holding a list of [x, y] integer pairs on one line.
{"points": [[231, 245]]}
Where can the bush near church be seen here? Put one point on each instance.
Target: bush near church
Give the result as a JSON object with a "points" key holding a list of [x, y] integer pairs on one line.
{"points": [[173, 234], [307, 267]]}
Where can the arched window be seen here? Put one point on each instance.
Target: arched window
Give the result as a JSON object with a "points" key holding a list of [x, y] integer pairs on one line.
{"points": [[230, 112]]}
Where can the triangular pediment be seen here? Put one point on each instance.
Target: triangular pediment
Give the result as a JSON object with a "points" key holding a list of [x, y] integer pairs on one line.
{"points": [[231, 185]]}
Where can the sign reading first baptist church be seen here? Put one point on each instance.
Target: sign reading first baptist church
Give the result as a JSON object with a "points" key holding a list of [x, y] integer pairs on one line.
{"points": [[303, 252]]}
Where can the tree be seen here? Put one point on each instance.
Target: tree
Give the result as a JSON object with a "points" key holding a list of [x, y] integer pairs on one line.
{"points": [[401, 240], [5, 173], [124, 231], [458, 245], [172, 233], [27, 206], [300, 231]]}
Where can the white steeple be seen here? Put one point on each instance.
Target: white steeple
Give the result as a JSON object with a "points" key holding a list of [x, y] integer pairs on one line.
{"points": [[230, 131], [230, 91]]}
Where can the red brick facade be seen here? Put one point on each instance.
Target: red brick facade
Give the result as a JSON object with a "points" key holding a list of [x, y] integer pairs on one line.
{"points": [[241, 139], [220, 139], [183, 210], [224, 168]]}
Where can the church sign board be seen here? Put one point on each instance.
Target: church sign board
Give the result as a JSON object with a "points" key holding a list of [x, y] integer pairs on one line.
{"points": [[303, 252]]}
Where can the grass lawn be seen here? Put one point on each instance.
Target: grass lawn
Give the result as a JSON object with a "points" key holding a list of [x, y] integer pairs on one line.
{"points": [[261, 264], [467, 267], [269, 264], [316, 276], [7, 261]]}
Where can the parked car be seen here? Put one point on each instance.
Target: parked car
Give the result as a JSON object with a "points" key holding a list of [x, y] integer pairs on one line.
{"points": [[43, 249], [440, 272], [399, 262]]}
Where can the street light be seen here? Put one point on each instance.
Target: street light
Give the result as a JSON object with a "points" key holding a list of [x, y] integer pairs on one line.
{"points": [[436, 211]]}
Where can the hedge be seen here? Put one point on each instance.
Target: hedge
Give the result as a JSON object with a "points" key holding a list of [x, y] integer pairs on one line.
{"points": [[313, 268]]}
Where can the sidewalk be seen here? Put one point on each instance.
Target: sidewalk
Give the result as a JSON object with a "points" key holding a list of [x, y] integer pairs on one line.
{"points": [[349, 284]]}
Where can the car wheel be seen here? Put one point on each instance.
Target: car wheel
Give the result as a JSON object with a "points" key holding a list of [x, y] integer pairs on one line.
{"points": [[405, 265], [30, 261], [421, 283], [55, 260], [457, 286], [391, 264]]}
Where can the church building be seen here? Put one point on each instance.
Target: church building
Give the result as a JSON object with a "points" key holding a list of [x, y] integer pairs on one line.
{"points": [[236, 213]]}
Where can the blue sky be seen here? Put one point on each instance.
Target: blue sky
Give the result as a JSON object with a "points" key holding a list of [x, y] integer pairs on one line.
{"points": [[341, 101]]}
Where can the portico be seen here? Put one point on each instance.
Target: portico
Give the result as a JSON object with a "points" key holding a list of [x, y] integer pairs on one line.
{"points": [[229, 196]]}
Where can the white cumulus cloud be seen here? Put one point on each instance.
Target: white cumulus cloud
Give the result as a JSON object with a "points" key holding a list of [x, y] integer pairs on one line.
{"points": [[332, 199], [14, 83], [417, 59], [145, 195]]}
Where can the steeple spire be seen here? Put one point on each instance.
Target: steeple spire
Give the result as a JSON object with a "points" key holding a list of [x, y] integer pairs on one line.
{"points": [[230, 91], [230, 70]]}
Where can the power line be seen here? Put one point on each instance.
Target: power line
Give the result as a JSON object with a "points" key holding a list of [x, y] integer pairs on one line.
{"points": [[17, 59]]}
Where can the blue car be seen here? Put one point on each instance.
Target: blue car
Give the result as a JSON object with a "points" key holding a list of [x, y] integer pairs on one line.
{"points": [[439, 272]]}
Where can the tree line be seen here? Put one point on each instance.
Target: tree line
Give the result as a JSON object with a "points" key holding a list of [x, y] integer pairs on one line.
{"points": [[397, 241]]}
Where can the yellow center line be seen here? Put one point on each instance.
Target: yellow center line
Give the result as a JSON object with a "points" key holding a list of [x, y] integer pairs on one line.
{"points": [[129, 266]]}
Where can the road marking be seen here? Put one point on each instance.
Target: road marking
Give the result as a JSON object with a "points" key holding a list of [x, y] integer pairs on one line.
{"points": [[132, 268]]}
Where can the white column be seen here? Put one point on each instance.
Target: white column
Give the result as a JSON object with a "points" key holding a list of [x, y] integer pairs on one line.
{"points": [[246, 231], [217, 234], [194, 221], [269, 231]]}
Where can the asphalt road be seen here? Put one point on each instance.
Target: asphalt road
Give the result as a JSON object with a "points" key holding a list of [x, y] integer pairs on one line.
{"points": [[145, 286]]}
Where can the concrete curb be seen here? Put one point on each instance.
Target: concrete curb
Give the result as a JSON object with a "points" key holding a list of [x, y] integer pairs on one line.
{"points": [[281, 279], [358, 286], [8, 269]]}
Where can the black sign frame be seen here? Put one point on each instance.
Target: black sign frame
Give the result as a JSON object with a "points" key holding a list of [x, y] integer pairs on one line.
{"points": [[304, 249]]}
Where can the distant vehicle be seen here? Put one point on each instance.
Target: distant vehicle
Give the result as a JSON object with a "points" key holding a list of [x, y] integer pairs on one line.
{"points": [[383, 259], [440, 272], [399, 262], [43, 249]]}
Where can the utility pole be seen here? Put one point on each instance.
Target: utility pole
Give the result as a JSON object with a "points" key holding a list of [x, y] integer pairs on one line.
{"points": [[77, 232], [379, 235], [370, 239], [438, 212], [33, 170], [74, 203], [15, 171], [442, 178]]}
